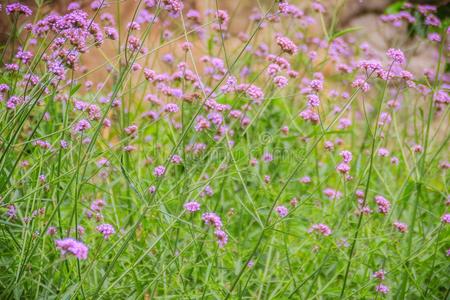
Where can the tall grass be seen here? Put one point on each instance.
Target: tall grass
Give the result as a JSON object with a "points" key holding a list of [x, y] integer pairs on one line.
{"points": [[170, 155]]}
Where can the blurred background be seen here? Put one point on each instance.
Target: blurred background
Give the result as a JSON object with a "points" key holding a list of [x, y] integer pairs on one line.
{"points": [[361, 14]]}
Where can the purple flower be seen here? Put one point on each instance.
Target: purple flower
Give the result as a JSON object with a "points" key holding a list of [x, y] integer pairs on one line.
{"points": [[252, 91], [211, 218], [97, 205], [320, 228], [445, 219], [394, 160], [432, 20], [379, 274], [434, 37], [383, 152], [417, 148], [383, 204], [51, 230], [267, 157], [362, 84], [159, 171], [111, 33], [382, 289], [343, 168], [171, 107], [73, 6], [286, 45], [131, 130], [12, 67], [273, 69], [71, 246], [316, 85], [385, 118], [318, 7], [82, 125], [332, 194], [106, 229], [64, 144], [309, 115], [442, 97], [346, 156], [313, 100], [305, 180], [12, 211], [192, 206], [168, 58], [222, 237], [402, 227], [4, 88], [18, 8], [173, 7], [282, 211], [152, 189], [396, 55], [280, 81], [24, 56], [176, 159]]}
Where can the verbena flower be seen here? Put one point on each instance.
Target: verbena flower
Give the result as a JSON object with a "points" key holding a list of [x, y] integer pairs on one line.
{"points": [[380, 274], [382, 289], [159, 171], [73, 247], [222, 237], [212, 219], [192, 206], [282, 211], [106, 229], [383, 204], [396, 55], [82, 126], [286, 45], [445, 219], [321, 229], [18, 8], [401, 227]]}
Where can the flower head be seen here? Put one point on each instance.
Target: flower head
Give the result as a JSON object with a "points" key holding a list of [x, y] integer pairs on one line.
{"points": [[401, 227], [396, 55], [106, 229], [211, 218], [282, 211], [286, 45], [382, 289], [320, 228], [379, 274], [222, 237], [383, 204], [159, 171], [19, 9], [192, 206], [82, 125], [71, 246]]}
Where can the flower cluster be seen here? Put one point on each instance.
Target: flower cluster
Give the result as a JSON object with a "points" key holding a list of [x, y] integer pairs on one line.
{"points": [[173, 119], [214, 220], [321, 229], [74, 247], [106, 229], [383, 204]]}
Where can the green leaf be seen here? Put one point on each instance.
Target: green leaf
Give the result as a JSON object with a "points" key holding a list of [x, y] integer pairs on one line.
{"points": [[345, 31], [74, 89]]}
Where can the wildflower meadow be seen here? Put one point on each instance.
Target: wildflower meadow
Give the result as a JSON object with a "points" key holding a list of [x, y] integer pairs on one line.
{"points": [[169, 149]]}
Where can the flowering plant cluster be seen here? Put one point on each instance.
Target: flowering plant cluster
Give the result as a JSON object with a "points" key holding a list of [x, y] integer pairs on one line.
{"points": [[175, 153]]}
